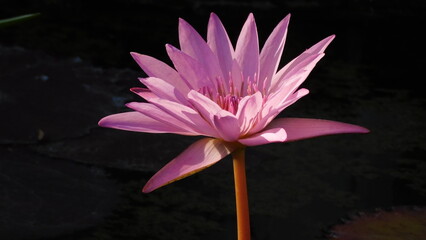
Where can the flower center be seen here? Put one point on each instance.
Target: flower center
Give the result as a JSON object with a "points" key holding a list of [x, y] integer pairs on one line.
{"points": [[228, 95]]}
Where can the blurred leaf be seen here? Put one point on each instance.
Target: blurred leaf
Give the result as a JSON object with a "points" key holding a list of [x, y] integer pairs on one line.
{"points": [[399, 224], [9, 21]]}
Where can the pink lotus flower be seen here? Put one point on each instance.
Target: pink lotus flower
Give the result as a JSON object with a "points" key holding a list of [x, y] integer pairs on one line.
{"points": [[231, 96]]}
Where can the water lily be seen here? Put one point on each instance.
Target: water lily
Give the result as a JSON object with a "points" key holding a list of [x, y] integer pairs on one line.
{"points": [[230, 95]]}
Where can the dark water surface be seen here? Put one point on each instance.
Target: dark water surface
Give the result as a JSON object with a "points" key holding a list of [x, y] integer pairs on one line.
{"points": [[62, 177]]}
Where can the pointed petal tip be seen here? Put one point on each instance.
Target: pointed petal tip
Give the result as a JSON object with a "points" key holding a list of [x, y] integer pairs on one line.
{"points": [[101, 122], [183, 23], [130, 104], [136, 56], [331, 38], [363, 130], [302, 92], [170, 47], [356, 128], [286, 18], [105, 122], [134, 89], [147, 188], [214, 18], [304, 128], [251, 17]]}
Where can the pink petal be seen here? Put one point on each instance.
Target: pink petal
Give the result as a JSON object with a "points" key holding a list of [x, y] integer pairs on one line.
{"points": [[285, 84], [302, 128], [192, 72], [300, 61], [163, 89], [186, 115], [155, 68], [247, 50], [272, 109], [200, 155], [288, 84], [271, 52], [158, 114], [293, 98], [219, 43], [283, 96], [204, 105], [138, 122], [225, 123], [144, 93], [194, 45], [322, 45], [248, 109], [227, 126], [265, 137], [318, 48], [236, 75]]}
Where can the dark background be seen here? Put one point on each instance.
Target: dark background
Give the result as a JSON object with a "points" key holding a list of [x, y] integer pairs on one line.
{"points": [[63, 177]]}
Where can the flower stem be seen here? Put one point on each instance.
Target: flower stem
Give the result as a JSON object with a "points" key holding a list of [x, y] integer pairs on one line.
{"points": [[243, 215]]}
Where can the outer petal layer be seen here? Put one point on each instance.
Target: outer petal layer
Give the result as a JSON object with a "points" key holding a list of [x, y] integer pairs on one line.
{"points": [[198, 156], [194, 45], [247, 50], [219, 42], [302, 128], [271, 53], [139, 122], [156, 68], [265, 137]]}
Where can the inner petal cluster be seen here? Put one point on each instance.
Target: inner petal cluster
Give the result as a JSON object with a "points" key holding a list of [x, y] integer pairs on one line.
{"points": [[228, 95]]}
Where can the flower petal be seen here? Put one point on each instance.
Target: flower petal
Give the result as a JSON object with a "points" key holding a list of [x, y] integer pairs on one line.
{"points": [[194, 45], [272, 109], [302, 128], [204, 105], [158, 114], [322, 45], [186, 115], [271, 53], [300, 62], [248, 109], [247, 50], [293, 98], [156, 68], [225, 123], [138, 122], [287, 83], [265, 137], [219, 43], [318, 48], [227, 126], [163, 89], [283, 94], [200, 155], [144, 93], [237, 77], [192, 72]]}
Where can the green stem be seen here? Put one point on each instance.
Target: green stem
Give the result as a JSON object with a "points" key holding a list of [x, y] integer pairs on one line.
{"points": [[243, 215]]}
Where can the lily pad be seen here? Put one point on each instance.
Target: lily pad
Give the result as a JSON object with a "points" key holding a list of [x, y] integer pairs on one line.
{"points": [[398, 224]]}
